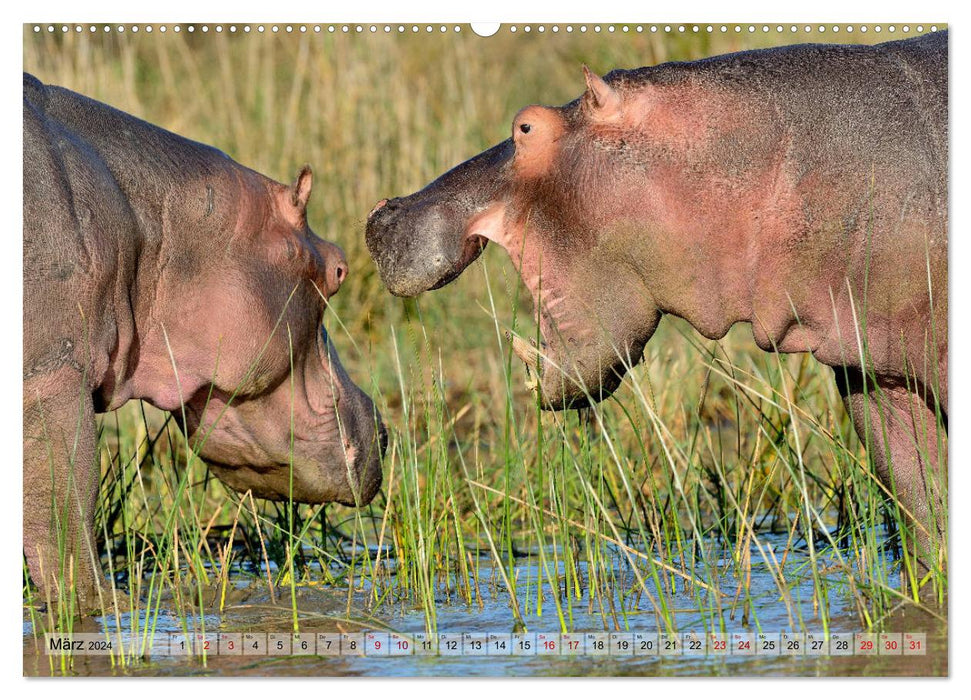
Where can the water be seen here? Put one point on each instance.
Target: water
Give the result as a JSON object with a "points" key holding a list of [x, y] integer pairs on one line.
{"points": [[619, 608]]}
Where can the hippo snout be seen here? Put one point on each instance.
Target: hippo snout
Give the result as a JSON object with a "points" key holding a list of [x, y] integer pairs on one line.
{"points": [[409, 262], [368, 445]]}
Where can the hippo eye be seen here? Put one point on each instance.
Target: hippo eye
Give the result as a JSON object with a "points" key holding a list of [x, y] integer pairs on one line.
{"points": [[525, 128]]}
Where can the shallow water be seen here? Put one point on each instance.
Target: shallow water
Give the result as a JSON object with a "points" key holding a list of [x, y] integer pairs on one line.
{"points": [[325, 609]]}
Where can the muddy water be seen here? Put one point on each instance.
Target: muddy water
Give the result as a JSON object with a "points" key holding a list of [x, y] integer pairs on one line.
{"points": [[326, 610]]}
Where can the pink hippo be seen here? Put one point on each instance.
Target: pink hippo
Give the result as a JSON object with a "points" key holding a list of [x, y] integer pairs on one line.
{"points": [[800, 189], [157, 268]]}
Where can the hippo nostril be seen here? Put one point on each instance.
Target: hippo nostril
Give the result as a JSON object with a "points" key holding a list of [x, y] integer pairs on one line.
{"points": [[335, 266], [338, 275]]}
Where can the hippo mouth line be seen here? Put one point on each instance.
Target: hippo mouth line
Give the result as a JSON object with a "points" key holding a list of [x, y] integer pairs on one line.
{"points": [[567, 367], [471, 249], [539, 356]]}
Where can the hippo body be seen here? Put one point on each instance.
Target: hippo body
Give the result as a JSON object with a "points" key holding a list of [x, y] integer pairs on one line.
{"points": [[157, 268], [802, 189]]}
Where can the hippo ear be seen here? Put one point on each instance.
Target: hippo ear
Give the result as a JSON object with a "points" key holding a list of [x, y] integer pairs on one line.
{"points": [[300, 190], [603, 101]]}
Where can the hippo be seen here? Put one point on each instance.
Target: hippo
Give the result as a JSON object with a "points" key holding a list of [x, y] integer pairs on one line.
{"points": [[800, 189], [157, 268]]}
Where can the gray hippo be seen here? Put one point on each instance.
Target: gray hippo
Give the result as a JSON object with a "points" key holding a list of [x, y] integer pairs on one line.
{"points": [[801, 189], [157, 268]]}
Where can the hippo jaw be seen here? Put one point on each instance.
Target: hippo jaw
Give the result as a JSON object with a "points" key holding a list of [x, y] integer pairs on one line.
{"points": [[577, 363], [330, 450], [561, 384]]}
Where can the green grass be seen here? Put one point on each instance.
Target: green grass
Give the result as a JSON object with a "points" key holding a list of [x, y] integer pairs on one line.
{"points": [[707, 446]]}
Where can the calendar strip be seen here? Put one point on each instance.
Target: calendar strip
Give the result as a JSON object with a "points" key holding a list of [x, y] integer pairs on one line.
{"points": [[498, 644]]}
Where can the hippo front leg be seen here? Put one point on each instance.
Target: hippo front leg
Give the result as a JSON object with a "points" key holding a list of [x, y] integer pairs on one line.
{"points": [[907, 446], [61, 479]]}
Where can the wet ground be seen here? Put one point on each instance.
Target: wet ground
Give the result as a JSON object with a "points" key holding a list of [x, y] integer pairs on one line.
{"points": [[325, 610]]}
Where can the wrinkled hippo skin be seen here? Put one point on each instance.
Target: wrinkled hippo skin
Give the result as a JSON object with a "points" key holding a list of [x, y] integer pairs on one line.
{"points": [[157, 268], [801, 189]]}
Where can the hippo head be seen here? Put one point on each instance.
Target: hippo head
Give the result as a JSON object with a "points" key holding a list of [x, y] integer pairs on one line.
{"points": [[264, 398], [551, 197]]}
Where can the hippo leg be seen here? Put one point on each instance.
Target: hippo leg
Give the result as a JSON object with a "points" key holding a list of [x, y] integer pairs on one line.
{"points": [[902, 437], [61, 479]]}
